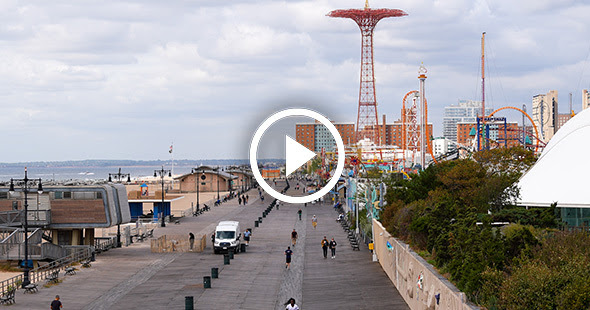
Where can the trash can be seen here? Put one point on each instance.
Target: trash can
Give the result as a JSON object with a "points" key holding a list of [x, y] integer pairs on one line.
{"points": [[188, 303], [214, 273], [231, 254], [226, 259], [255, 223], [242, 247], [207, 282]]}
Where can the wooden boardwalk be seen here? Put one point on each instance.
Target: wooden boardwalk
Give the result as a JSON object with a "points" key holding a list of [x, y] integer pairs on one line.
{"points": [[135, 278]]}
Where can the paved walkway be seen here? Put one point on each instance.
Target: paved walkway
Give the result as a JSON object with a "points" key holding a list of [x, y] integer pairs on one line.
{"points": [[135, 278]]}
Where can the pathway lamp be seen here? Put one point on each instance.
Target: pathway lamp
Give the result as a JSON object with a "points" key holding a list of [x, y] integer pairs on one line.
{"points": [[118, 178], [162, 172], [26, 185], [217, 183], [202, 177]]}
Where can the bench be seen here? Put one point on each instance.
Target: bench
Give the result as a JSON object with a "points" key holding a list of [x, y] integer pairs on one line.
{"points": [[8, 297], [70, 271], [52, 277], [31, 288]]}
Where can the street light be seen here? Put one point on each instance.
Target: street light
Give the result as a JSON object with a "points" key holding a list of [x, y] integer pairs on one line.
{"points": [[26, 184], [201, 177], [119, 177], [217, 183], [162, 172]]}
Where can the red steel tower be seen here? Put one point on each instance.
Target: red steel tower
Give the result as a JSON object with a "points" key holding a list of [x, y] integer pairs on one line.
{"points": [[367, 123]]}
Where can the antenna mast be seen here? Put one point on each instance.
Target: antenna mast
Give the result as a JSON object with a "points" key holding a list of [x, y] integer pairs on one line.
{"points": [[483, 76]]}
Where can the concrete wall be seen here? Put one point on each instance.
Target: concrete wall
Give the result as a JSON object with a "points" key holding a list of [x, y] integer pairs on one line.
{"points": [[416, 280], [177, 243]]}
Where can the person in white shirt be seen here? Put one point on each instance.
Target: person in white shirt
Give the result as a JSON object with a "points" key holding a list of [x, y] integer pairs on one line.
{"points": [[291, 305]]}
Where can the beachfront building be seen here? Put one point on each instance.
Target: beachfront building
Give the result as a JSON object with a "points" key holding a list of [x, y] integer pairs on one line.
{"points": [[60, 216], [209, 180], [245, 178], [270, 172]]}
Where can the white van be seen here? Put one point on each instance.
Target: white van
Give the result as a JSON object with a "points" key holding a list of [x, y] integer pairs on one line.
{"points": [[227, 237]]}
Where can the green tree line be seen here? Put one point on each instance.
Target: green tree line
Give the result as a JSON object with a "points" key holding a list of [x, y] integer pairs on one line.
{"points": [[448, 214]]}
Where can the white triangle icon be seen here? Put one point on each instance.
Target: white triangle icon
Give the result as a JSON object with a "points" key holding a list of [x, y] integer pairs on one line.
{"points": [[296, 155]]}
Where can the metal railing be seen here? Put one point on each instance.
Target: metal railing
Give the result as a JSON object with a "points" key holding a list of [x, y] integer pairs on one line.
{"points": [[40, 273], [34, 217], [104, 243]]}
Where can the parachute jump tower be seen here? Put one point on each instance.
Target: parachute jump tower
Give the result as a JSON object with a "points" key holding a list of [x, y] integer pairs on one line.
{"points": [[367, 123]]}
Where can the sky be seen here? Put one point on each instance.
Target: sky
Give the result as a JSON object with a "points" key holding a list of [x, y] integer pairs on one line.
{"points": [[125, 79]]}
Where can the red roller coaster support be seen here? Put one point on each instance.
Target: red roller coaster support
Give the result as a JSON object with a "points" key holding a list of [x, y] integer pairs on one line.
{"points": [[367, 124]]}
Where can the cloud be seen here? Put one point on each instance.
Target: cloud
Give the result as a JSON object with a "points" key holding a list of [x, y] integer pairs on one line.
{"points": [[118, 79]]}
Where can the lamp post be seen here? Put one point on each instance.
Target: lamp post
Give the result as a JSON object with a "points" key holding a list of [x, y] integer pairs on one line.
{"points": [[26, 184], [217, 183], [119, 177], [202, 177], [162, 172]]}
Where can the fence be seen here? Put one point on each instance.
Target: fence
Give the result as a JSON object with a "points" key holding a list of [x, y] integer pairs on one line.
{"points": [[104, 243], [40, 273]]}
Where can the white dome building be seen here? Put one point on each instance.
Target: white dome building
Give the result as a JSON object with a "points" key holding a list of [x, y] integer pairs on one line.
{"points": [[562, 173]]}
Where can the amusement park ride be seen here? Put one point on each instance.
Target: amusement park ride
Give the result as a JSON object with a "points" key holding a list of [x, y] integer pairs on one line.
{"points": [[411, 156]]}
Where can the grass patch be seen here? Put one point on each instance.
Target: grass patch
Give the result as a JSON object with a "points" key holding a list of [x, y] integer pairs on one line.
{"points": [[5, 267], [48, 285]]}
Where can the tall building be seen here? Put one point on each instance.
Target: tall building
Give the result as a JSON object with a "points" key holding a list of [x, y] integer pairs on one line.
{"points": [[440, 146], [585, 99], [545, 114], [316, 136], [465, 111]]}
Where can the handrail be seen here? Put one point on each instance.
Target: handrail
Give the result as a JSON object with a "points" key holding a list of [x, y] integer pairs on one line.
{"points": [[40, 273]]}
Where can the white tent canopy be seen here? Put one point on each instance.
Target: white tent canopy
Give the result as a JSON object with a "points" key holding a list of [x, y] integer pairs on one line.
{"points": [[562, 173]]}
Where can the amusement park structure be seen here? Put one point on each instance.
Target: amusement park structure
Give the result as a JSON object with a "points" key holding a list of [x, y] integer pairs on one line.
{"points": [[367, 18]]}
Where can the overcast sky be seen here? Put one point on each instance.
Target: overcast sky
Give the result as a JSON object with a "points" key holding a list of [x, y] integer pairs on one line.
{"points": [[123, 79]]}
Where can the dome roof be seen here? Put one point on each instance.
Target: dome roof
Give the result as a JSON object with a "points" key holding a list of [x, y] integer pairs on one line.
{"points": [[561, 173]]}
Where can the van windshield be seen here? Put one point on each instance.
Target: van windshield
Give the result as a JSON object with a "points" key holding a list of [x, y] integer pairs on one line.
{"points": [[225, 235]]}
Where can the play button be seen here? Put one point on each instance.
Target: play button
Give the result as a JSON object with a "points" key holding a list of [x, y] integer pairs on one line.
{"points": [[296, 155]]}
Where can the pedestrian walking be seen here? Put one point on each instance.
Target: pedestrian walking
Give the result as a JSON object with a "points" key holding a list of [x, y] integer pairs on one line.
{"points": [[325, 245], [239, 200], [291, 305], [333, 245], [293, 237], [191, 240], [288, 254], [247, 198], [56, 304], [314, 221], [247, 235], [299, 212]]}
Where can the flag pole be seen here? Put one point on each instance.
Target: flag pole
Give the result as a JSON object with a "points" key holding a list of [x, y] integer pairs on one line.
{"points": [[172, 169]]}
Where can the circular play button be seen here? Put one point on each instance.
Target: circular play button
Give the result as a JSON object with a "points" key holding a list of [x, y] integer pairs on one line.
{"points": [[296, 154]]}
